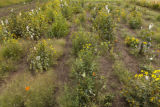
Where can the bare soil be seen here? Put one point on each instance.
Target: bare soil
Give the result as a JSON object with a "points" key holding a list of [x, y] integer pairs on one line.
{"points": [[63, 68], [130, 61]]}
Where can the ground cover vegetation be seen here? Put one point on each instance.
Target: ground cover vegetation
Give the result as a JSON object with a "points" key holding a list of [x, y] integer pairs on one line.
{"points": [[71, 53]]}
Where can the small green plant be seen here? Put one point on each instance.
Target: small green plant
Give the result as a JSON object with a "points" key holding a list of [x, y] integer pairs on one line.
{"points": [[108, 100], [59, 28], [82, 18], [66, 9], [146, 35], [12, 50], [77, 7], [124, 15], [41, 57], [104, 48], [27, 24], [79, 39], [135, 21]]}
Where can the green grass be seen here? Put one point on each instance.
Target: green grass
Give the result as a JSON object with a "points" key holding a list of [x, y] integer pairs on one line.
{"points": [[15, 94], [4, 3]]}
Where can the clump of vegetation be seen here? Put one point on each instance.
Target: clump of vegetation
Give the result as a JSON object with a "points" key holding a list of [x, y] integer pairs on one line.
{"points": [[132, 42], [12, 50], [124, 15], [79, 39], [27, 25], [41, 56], [59, 28], [135, 21], [89, 85], [85, 72], [77, 7], [143, 89], [66, 8], [104, 24]]}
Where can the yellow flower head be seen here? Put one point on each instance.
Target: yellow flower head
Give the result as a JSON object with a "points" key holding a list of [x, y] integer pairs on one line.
{"points": [[146, 73], [145, 43], [136, 76]]}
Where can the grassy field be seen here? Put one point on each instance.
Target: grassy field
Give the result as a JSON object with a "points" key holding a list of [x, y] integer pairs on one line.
{"points": [[81, 53], [4, 3]]}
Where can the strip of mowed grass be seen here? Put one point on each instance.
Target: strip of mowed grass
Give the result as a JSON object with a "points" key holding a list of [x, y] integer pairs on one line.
{"points": [[4, 3]]}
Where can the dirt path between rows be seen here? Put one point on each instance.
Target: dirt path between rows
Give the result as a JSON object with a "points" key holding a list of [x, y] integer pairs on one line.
{"points": [[63, 68], [5, 11], [112, 82], [131, 62]]}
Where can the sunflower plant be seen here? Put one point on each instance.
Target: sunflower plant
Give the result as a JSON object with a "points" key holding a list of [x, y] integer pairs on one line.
{"points": [[143, 89], [132, 42]]}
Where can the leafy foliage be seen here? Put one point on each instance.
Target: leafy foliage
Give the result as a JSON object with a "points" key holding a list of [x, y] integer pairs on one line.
{"points": [[41, 57]]}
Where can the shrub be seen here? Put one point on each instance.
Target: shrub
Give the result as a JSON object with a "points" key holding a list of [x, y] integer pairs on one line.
{"points": [[135, 20], [79, 39], [85, 72], [77, 7], [59, 28], [132, 42], [41, 57], [89, 85], [12, 50], [27, 24], [66, 9], [33, 24], [104, 24], [37, 25], [15, 25], [143, 90]]}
